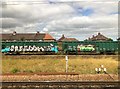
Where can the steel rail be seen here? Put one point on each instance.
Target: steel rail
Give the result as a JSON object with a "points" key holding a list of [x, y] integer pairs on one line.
{"points": [[64, 83]]}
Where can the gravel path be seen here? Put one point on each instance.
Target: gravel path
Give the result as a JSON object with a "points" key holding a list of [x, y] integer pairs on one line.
{"points": [[83, 77]]}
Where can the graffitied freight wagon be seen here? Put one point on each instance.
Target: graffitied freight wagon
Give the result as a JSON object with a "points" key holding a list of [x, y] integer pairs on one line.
{"points": [[73, 47], [90, 47], [27, 47]]}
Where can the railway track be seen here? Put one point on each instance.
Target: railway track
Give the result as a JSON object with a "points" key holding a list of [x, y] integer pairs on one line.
{"points": [[61, 85]]}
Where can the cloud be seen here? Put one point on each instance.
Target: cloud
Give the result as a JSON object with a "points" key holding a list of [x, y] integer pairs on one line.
{"points": [[78, 19], [10, 23]]}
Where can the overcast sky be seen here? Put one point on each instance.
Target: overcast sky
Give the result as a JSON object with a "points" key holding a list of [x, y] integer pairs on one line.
{"points": [[74, 19]]}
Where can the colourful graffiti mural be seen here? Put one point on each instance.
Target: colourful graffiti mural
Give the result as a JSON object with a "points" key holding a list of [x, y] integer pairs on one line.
{"points": [[29, 48], [85, 47]]}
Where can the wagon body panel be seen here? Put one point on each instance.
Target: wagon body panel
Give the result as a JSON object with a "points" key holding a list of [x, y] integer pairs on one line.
{"points": [[20, 46], [96, 46]]}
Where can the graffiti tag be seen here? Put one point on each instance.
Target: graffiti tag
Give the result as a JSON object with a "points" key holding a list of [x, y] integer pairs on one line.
{"points": [[34, 48]]}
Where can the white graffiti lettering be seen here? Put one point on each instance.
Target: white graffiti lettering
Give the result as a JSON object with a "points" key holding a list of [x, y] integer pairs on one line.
{"points": [[29, 48]]}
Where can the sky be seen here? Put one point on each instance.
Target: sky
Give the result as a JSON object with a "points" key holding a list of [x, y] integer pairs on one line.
{"points": [[78, 19]]}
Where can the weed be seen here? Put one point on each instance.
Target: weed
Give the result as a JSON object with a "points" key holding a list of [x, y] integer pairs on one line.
{"points": [[79, 64], [15, 70]]}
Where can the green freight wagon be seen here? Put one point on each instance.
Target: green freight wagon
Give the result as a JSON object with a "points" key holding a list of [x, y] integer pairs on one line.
{"points": [[90, 47], [107, 47], [27, 47]]}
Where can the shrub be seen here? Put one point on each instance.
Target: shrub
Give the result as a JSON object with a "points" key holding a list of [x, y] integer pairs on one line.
{"points": [[15, 70]]}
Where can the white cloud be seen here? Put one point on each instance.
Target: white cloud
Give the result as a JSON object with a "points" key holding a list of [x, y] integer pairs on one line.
{"points": [[58, 19]]}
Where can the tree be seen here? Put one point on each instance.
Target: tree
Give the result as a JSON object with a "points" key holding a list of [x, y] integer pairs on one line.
{"points": [[109, 39]]}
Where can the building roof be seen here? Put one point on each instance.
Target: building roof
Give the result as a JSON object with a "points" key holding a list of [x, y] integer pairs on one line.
{"points": [[48, 37], [63, 38], [26, 36], [98, 37], [70, 39]]}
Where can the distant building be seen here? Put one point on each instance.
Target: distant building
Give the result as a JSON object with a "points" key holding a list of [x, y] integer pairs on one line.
{"points": [[99, 37], [63, 38], [27, 37]]}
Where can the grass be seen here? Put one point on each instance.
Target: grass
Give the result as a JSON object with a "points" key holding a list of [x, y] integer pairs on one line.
{"points": [[78, 64]]}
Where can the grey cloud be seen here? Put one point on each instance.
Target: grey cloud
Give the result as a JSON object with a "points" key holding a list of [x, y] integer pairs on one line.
{"points": [[28, 14], [10, 23], [59, 19]]}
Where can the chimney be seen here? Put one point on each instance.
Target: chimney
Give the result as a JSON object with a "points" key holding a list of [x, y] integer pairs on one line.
{"points": [[63, 36], [98, 33], [37, 33], [93, 36], [14, 32]]}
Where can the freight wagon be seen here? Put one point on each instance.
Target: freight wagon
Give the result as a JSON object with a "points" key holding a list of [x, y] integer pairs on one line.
{"points": [[17, 47], [90, 47], [74, 47]]}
